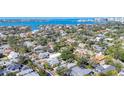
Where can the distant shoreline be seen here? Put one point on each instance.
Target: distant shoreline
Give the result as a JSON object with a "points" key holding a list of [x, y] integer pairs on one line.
{"points": [[34, 22]]}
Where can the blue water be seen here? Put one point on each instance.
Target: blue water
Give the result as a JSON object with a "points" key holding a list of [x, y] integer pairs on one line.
{"points": [[35, 24]]}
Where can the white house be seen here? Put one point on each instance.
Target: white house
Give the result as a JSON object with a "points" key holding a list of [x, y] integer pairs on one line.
{"points": [[28, 44], [13, 55], [2, 35]]}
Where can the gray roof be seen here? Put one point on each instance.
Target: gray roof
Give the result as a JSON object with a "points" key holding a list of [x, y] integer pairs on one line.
{"points": [[77, 71], [53, 61], [23, 72], [1, 51], [100, 35], [25, 67], [44, 55], [16, 60], [70, 65], [104, 68], [5, 46], [99, 68], [1, 72], [63, 33], [14, 67], [98, 48], [32, 74], [121, 73], [109, 68], [39, 47]]}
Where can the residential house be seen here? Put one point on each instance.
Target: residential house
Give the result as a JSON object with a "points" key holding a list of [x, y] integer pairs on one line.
{"points": [[101, 36], [39, 49], [5, 63], [55, 55], [44, 55], [14, 68], [5, 46], [97, 48], [102, 30], [25, 70], [80, 52], [68, 65], [97, 39], [104, 68], [1, 50], [121, 73], [108, 39], [7, 51], [2, 36], [14, 57], [108, 68], [108, 44], [70, 41], [50, 47], [32, 74], [29, 34], [121, 38], [77, 71], [2, 72], [53, 61], [28, 44], [22, 35], [24, 28], [63, 33], [98, 58], [81, 45]]}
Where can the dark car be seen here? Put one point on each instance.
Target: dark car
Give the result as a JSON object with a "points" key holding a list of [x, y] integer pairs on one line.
{"points": [[1, 55]]}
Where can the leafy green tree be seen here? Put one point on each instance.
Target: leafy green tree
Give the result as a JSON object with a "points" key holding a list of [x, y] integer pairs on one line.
{"points": [[2, 67], [109, 73], [62, 71], [109, 60], [47, 66], [25, 60], [22, 50], [82, 62], [42, 73], [118, 66], [12, 41], [11, 74], [58, 46], [42, 40], [110, 51], [67, 54], [115, 51], [121, 55]]}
